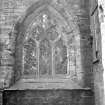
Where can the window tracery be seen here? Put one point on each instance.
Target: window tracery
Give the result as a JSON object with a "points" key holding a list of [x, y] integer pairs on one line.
{"points": [[46, 48]]}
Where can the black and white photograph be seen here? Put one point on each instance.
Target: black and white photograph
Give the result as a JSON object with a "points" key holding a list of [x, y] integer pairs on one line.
{"points": [[52, 52]]}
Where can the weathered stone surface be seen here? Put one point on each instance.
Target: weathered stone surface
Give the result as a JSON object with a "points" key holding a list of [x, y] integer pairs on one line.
{"points": [[79, 11], [49, 97], [3, 68], [6, 78], [9, 61], [81, 70], [1, 97], [12, 10]]}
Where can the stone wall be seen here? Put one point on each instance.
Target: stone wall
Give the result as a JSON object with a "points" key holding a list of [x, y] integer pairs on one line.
{"points": [[97, 53], [14, 10], [10, 12], [49, 97]]}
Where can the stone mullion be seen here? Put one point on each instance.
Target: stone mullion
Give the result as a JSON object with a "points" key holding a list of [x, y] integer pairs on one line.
{"points": [[23, 61], [7, 56], [38, 52], [53, 67], [68, 68], [75, 61]]}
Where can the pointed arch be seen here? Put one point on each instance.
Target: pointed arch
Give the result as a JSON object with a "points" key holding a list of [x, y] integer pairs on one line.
{"points": [[67, 28]]}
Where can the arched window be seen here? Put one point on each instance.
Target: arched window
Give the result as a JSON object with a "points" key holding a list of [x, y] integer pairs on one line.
{"points": [[48, 44], [45, 49]]}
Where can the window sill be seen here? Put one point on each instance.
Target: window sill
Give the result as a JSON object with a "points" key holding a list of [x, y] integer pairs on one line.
{"points": [[46, 85]]}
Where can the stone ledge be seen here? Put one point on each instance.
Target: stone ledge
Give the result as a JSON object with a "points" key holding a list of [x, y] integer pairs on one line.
{"points": [[43, 85]]}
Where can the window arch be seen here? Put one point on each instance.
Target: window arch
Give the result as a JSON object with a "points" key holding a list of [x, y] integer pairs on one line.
{"points": [[45, 50], [53, 40]]}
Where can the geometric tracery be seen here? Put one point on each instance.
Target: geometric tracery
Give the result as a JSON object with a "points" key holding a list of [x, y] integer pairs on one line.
{"points": [[46, 50]]}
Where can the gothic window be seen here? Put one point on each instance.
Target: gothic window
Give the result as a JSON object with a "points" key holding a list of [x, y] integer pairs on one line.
{"points": [[45, 50]]}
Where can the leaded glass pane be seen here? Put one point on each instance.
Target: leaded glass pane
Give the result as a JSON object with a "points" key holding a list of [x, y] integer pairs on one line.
{"points": [[45, 58], [60, 57], [30, 58]]}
